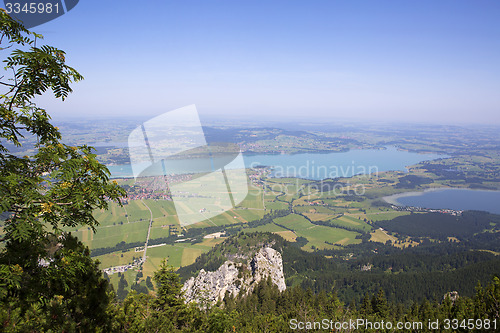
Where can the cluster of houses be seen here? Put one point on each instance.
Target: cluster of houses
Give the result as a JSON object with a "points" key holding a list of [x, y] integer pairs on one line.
{"points": [[427, 210], [123, 268], [258, 173], [255, 147], [316, 203], [154, 187]]}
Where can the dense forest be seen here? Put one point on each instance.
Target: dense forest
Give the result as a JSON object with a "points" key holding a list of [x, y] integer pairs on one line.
{"points": [[268, 310], [441, 226]]}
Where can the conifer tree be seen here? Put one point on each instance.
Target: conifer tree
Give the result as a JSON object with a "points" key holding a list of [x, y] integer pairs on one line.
{"points": [[169, 302], [379, 304]]}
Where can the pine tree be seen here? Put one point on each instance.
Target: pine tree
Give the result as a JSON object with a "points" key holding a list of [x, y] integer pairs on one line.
{"points": [[169, 303], [149, 283], [366, 305], [379, 304]]}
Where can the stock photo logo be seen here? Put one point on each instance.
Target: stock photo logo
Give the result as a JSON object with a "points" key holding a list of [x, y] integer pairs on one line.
{"points": [[169, 154], [35, 12]]}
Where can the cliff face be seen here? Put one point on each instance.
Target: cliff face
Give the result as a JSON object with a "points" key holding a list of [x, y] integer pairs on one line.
{"points": [[234, 277]]}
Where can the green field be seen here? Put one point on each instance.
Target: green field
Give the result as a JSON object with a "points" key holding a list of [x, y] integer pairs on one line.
{"points": [[294, 222], [179, 254], [137, 211], [317, 235], [108, 236], [248, 215], [276, 205], [350, 222], [267, 228], [157, 231], [388, 215], [253, 199]]}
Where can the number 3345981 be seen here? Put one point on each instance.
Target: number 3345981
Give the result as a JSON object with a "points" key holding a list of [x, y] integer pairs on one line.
{"points": [[32, 8]]}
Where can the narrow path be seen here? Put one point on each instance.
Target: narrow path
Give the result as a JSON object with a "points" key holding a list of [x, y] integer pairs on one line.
{"points": [[149, 231], [375, 213], [126, 214], [264, 194], [206, 218]]}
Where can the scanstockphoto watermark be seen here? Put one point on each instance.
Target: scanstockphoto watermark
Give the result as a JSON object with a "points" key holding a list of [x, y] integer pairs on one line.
{"points": [[355, 324], [369, 325]]}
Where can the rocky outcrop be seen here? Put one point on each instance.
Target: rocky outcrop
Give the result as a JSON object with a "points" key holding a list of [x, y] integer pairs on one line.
{"points": [[452, 295], [235, 277]]}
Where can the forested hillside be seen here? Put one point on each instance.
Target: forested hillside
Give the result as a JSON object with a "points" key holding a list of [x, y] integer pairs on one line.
{"points": [[441, 226], [407, 275]]}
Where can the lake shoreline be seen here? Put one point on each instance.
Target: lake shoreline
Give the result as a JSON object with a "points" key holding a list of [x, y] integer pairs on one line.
{"points": [[318, 166], [452, 198], [393, 198]]}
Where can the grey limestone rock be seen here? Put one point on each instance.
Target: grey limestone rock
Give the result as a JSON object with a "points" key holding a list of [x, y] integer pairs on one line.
{"points": [[236, 277]]}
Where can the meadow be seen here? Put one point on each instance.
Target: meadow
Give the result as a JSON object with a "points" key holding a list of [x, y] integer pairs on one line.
{"points": [[325, 219]]}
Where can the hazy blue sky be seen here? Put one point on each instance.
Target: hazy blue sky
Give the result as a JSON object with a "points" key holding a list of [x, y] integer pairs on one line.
{"points": [[397, 60]]}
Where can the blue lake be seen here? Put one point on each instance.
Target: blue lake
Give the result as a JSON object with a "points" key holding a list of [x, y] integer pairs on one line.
{"points": [[457, 199], [322, 165]]}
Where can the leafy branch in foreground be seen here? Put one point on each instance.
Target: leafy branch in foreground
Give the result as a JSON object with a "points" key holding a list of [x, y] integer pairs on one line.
{"points": [[56, 187]]}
